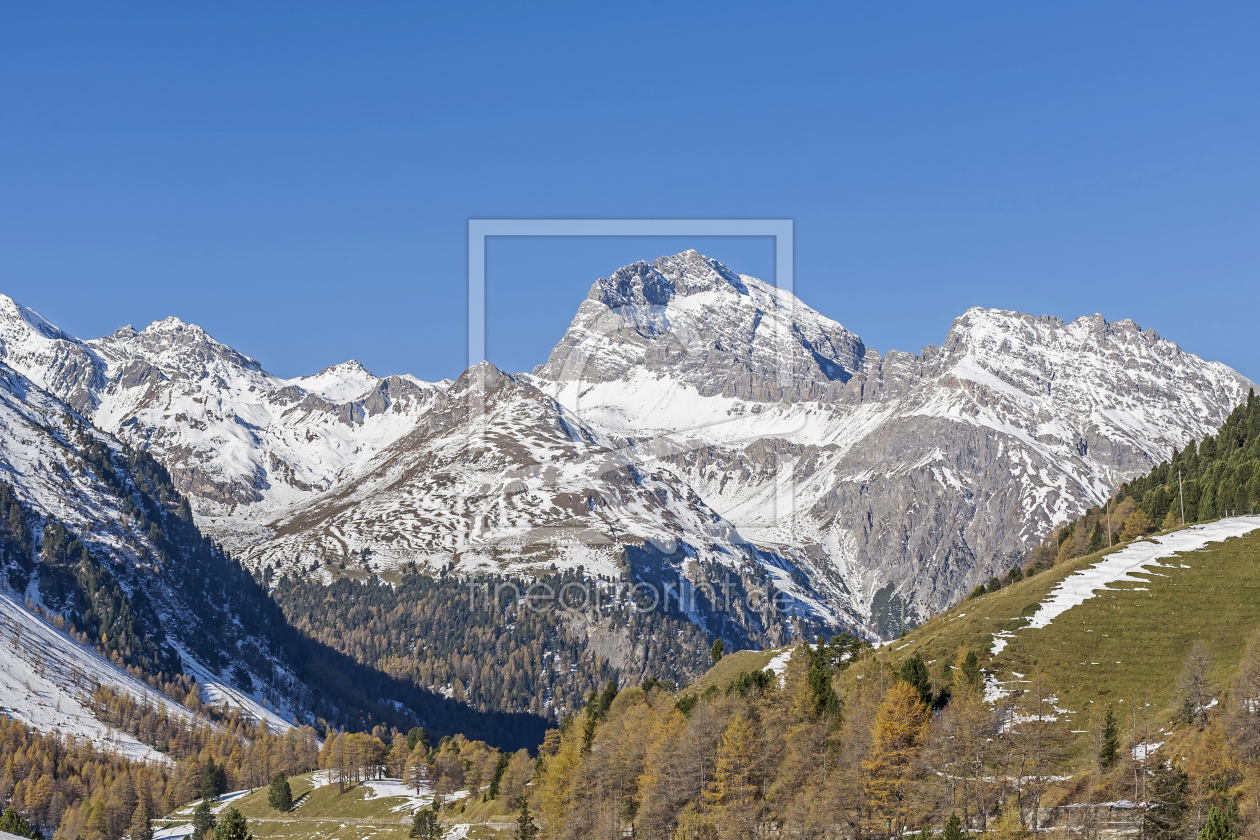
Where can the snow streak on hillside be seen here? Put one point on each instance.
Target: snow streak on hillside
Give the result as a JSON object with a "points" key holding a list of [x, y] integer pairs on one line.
{"points": [[1080, 587]]}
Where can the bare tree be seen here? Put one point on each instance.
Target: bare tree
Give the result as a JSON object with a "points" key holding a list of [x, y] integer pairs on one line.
{"points": [[1243, 717], [1039, 738], [1194, 689]]}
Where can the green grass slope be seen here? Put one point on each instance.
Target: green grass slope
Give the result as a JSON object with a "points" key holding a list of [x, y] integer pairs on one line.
{"points": [[729, 667], [1127, 643]]}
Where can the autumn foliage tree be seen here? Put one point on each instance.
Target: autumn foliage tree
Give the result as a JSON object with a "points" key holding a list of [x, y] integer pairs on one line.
{"points": [[900, 726]]}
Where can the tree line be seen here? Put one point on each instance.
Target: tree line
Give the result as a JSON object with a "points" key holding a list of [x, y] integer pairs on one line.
{"points": [[1208, 479], [858, 749], [431, 631]]}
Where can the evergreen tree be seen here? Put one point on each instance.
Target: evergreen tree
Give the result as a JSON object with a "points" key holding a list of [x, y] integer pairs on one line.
{"points": [[1168, 803], [607, 697], [971, 671], [821, 692], [416, 737], [141, 823], [232, 826], [203, 821], [213, 780], [499, 769], [1110, 749], [425, 825], [953, 828], [915, 672], [590, 720], [1097, 539], [525, 828], [1218, 826], [280, 794], [14, 824], [715, 652]]}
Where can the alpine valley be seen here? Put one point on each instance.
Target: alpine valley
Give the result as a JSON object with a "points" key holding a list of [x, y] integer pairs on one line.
{"points": [[205, 569]]}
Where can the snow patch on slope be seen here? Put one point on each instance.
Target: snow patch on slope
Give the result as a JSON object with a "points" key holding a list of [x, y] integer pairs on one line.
{"points": [[47, 681], [1081, 586]]}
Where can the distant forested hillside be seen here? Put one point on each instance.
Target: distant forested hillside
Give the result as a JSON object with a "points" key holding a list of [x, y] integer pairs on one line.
{"points": [[428, 631]]}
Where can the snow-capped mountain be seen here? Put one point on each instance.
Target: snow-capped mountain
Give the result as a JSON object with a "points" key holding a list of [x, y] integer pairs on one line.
{"points": [[691, 420], [240, 443], [903, 480], [104, 577], [500, 478], [94, 534]]}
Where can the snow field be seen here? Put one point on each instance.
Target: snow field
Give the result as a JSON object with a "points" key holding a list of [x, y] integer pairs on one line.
{"points": [[47, 681]]}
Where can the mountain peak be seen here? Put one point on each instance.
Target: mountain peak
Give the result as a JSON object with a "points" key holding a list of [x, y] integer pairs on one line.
{"points": [[339, 383], [26, 318], [172, 324], [641, 284]]}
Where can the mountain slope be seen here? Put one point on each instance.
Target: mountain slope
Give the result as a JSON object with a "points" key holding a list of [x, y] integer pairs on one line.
{"points": [[692, 423], [94, 535], [499, 479], [911, 478], [239, 442], [1116, 625]]}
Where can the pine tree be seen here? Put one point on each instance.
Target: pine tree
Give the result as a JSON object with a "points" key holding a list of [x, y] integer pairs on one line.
{"points": [[1110, 750], [1218, 826], [589, 721], [213, 779], [203, 821], [1097, 539], [141, 823], [13, 824], [525, 828], [715, 652], [232, 827], [971, 671], [822, 694], [1168, 803], [425, 825], [280, 794], [607, 697], [499, 769], [953, 828], [416, 736], [915, 672]]}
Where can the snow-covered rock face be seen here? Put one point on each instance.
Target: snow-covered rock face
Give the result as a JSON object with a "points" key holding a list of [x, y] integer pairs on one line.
{"points": [[239, 442], [52, 458], [897, 482], [692, 319], [498, 477], [686, 406]]}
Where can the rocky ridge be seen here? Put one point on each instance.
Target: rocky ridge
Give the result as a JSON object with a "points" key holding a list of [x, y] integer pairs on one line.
{"points": [[691, 421]]}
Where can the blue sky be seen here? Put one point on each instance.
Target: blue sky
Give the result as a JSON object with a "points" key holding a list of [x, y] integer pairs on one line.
{"points": [[297, 179]]}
